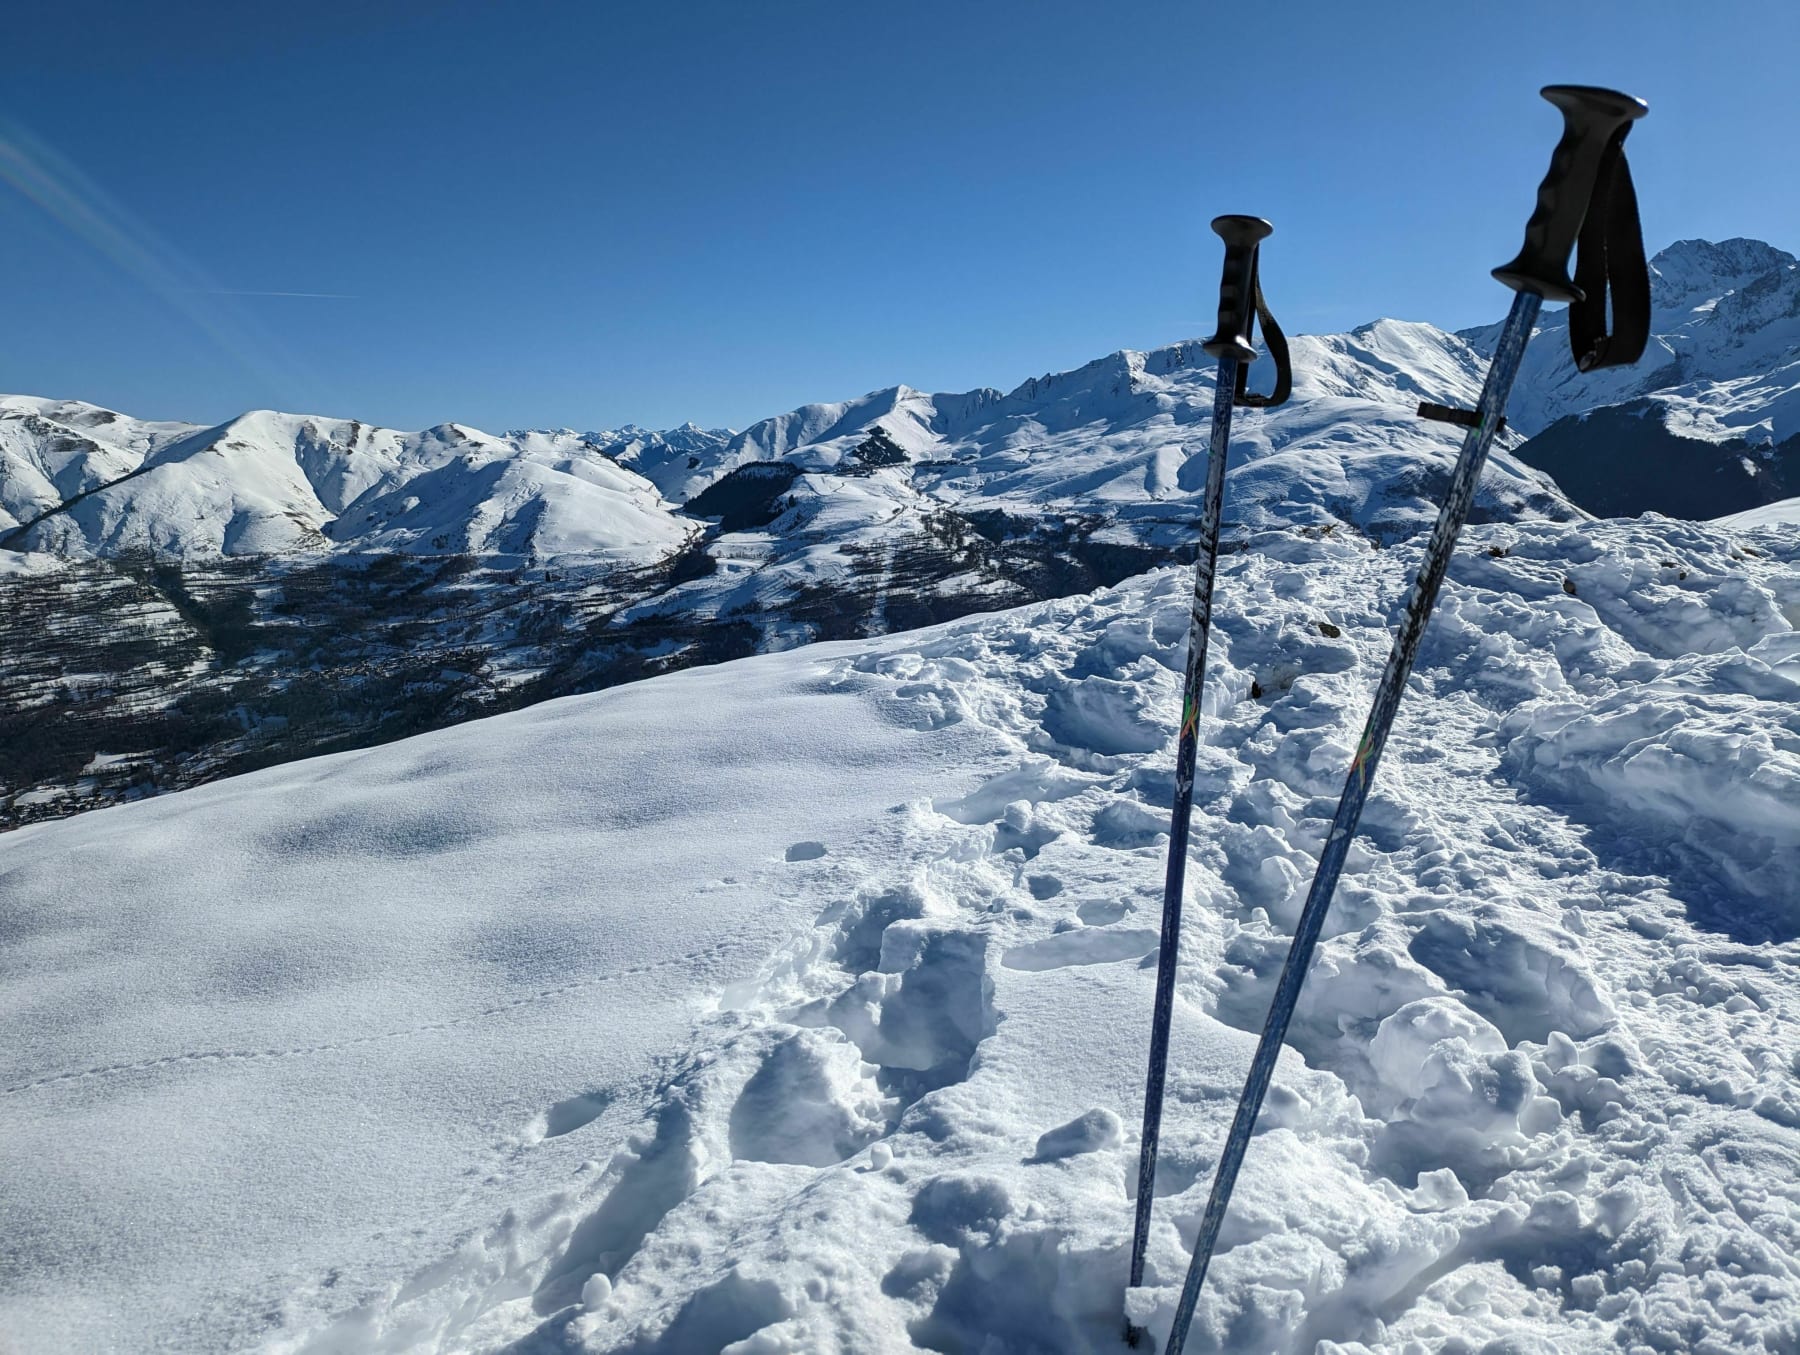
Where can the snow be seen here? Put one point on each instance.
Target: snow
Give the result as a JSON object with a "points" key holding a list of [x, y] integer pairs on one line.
{"points": [[274, 484], [359, 989], [1116, 442], [801, 1003], [1783, 514]]}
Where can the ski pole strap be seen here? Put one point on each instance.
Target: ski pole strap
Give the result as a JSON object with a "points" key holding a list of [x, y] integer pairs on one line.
{"points": [[1278, 349], [1610, 260], [1586, 204], [1581, 197], [1241, 305]]}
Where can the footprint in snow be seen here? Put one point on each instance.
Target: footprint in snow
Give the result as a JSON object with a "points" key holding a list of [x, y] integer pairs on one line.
{"points": [[570, 1114], [1102, 912], [806, 851]]}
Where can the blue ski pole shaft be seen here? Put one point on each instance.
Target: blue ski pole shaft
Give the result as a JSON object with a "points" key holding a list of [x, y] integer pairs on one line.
{"points": [[1240, 301], [1441, 543], [1174, 880]]}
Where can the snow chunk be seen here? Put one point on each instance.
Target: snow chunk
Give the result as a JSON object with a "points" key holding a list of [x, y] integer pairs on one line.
{"points": [[1090, 1132]]}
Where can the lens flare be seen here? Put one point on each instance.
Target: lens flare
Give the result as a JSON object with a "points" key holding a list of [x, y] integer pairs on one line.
{"points": [[80, 206]]}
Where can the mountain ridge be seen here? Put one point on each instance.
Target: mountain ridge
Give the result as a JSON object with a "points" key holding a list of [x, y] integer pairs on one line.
{"points": [[195, 600], [77, 479], [1724, 370]]}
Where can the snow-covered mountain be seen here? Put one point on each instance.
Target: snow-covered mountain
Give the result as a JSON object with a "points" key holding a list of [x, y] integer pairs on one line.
{"points": [[568, 561], [79, 481], [656, 454], [1125, 433], [1725, 338], [1715, 403], [1116, 437]]}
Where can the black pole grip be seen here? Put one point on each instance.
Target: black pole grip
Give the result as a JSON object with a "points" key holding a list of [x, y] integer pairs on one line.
{"points": [[1592, 118], [1237, 288]]}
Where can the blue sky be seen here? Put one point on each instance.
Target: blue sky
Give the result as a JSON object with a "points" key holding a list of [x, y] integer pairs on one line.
{"points": [[534, 214]]}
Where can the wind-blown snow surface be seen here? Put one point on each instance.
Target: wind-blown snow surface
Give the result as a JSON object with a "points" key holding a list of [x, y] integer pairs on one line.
{"points": [[801, 1003]]}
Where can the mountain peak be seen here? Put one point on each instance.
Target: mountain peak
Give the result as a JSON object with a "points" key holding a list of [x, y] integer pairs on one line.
{"points": [[1690, 271]]}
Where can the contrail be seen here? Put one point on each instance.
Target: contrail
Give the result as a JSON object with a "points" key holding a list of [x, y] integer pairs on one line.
{"points": [[87, 212], [243, 291]]}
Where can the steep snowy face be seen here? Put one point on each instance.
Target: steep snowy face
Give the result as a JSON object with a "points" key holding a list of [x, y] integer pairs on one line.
{"points": [[1691, 273], [1722, 315], [52, 451], [80, 482]]}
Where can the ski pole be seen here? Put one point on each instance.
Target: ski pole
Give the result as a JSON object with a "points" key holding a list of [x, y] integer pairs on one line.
{"points": [[1595, 122], [1240, 302]]}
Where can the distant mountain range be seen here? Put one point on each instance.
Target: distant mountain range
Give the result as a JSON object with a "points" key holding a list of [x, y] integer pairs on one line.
{"points": [[287, 560]]}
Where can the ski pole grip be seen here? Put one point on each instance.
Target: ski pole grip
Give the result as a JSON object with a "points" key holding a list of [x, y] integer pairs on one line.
{"points": [[1237, 288], [1592, 117]]}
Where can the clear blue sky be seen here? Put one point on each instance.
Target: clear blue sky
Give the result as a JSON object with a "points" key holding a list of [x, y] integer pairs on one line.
{"points": [[587, 214]]}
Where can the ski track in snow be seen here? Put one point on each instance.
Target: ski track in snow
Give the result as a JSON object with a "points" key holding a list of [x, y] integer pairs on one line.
{"points": [[1541, 1092]]}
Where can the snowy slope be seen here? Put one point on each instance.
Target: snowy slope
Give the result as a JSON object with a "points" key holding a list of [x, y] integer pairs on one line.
{"points": [[827, 1034], [1783, 514], [79, 481]]}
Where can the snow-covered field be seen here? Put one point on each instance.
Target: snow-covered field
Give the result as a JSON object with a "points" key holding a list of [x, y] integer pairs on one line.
{"points": [[802, 1003]]}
